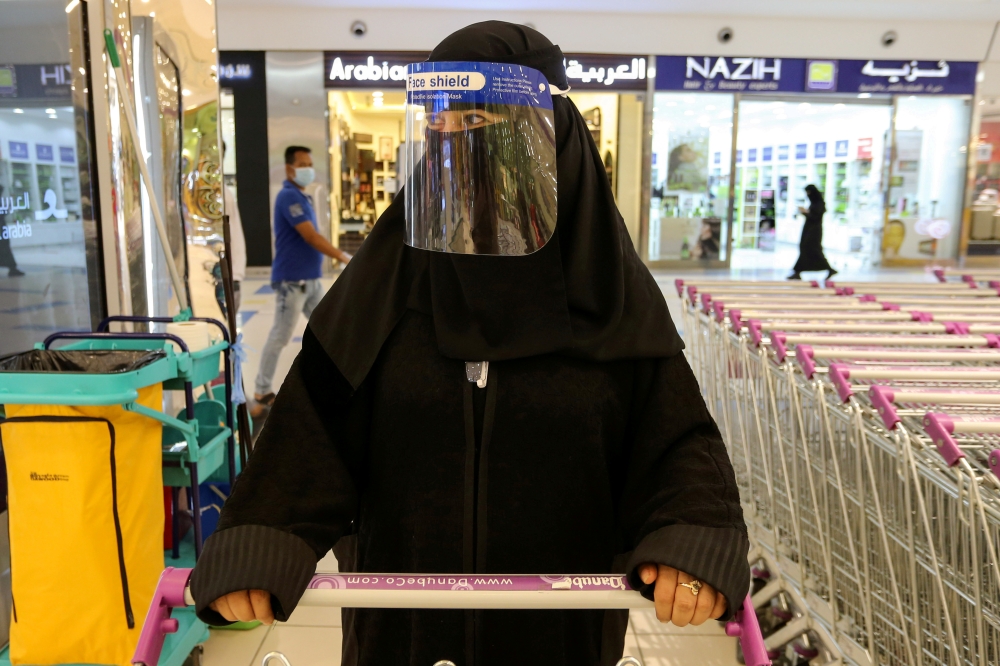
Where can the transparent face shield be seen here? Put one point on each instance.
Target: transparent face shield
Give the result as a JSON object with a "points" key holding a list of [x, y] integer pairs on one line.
{"points": [[480, 158]]}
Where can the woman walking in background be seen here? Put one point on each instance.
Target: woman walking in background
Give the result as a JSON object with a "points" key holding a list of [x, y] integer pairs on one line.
{"points": [[811, 256]]}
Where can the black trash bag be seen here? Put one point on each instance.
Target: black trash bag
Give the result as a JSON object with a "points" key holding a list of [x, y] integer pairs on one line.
{"points": [[90, 361]]}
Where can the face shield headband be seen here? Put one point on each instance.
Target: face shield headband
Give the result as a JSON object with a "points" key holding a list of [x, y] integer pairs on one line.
{"points": [[480, 157]]}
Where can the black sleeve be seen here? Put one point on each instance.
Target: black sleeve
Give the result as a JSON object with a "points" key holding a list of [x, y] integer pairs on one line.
{"points": [[680, 504], [298, 493]]}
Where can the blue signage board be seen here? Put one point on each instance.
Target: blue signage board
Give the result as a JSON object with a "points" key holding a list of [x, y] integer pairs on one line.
{"points": [[724, 74], [18, 150], [799, 75], [752, 155], [801, 151], [820, 150], [67, 154], [766, 154], [841, 148], [914, 77], [739, 156], [717, 160], [43, 152], [782, 153]]}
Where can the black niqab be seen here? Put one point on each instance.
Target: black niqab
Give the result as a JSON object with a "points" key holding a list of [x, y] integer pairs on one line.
{"points": [[816, 204], [586, 293]]}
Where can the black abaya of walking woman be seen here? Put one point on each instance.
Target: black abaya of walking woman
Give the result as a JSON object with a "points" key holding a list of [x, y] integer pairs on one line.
{"points": [[811, 257], [590, 449]]}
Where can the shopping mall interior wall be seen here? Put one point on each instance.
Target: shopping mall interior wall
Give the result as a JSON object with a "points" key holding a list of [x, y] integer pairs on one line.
{"points": [[252, 157], [296, 115], [629, 196], [285, 25]]}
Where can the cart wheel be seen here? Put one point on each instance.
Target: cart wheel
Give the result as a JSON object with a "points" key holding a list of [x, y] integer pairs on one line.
{"points": [[275, 655], [629, 661]]}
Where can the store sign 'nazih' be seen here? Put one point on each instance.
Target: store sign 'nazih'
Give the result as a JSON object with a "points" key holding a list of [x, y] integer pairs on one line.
{"points": [[795, 75]]}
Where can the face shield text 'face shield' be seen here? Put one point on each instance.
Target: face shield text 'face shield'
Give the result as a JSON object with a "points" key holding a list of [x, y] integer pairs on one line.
{"points": [[481, 158]]}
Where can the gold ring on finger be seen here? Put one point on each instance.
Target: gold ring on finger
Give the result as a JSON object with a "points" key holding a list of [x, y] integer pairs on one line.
{"points": [[695, 586]]}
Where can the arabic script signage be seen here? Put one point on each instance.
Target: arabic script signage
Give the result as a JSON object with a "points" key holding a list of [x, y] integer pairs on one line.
{"points": [[606, 72], [768, 75]]}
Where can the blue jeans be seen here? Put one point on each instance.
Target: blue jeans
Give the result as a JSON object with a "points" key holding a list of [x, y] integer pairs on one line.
{"points": [[290, 298]]}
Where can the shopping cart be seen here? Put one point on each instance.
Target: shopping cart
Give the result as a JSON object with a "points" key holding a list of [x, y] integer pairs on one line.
{"points": [[459, 591]]}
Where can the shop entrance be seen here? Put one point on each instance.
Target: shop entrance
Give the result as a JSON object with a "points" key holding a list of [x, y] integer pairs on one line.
{"points": [[367, 129], [787, 143]]}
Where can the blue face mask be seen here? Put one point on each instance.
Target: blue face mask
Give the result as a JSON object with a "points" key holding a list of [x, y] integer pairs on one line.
{"points": [[304, 176]]}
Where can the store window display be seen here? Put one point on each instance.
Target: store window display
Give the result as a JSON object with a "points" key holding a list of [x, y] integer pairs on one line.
{"points": [[784, 145], [692, 142]]}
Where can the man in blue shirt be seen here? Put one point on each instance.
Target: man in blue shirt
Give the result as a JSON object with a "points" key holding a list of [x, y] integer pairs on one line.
{"points": [[297, 266]]}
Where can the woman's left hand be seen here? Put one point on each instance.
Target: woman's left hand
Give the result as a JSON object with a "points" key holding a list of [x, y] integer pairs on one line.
{"points": [[678, 604]]}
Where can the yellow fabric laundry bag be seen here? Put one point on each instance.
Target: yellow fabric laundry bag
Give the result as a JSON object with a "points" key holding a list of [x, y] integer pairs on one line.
{"points": [[85, 495]]}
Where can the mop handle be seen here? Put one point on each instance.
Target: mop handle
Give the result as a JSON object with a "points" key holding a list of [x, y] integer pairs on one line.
{"points": [[457, 591], [147, 180]]}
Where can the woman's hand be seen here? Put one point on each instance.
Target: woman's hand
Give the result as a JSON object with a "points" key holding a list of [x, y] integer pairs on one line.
{"points": [[678, 604], [804, 211], [245, 606]]}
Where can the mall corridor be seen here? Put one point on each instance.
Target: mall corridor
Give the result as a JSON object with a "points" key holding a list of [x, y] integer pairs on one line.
{"points": [[430, 333]]}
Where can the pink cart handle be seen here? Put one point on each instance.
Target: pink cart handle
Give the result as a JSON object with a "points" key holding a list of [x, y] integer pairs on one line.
{"points": [[941, 428], [745, 627], [171, 592], [679, 285], [939, 274]]}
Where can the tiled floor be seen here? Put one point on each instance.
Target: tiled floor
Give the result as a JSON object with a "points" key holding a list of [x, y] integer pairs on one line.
{"points": [[313, 635]]}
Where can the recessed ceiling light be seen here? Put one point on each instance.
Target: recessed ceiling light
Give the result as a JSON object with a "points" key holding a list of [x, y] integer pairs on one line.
{"points": [[50, 111], [18, 110]]}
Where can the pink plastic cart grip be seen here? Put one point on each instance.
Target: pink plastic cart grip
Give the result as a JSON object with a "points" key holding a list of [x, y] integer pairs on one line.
{"points": [[830, 284], [882, 398], [924, 317], [968, 278], [744, 625], [814, 284], [720, 311], [692, 293], [736, 320], [706, 303], [778, 340], [867, 298], [804, 355], [994, 284], [753, 326], [169, 594], [995, 462], [956, 328], [939, 274], [679, 285], [940, 427], [839, 375], [992, 340], [845, 291], [890, 307]]}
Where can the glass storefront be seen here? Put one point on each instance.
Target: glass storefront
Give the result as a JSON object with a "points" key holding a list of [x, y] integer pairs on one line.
{"points": [[690, 177], [891, 165], [49, 278]]}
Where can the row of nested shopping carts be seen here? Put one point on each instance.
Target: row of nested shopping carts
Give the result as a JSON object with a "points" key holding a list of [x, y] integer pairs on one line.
{"points": [[863, 422]]}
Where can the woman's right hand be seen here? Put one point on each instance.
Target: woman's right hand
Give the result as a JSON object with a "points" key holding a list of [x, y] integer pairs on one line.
{"points": [[245, 606]]}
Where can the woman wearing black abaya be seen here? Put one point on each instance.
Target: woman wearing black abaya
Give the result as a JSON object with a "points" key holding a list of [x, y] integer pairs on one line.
{"points": [[811, 257], [589, 450]]}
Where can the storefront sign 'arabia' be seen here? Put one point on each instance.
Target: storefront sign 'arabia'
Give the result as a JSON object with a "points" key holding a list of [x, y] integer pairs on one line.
{"points": [[347, 69]]}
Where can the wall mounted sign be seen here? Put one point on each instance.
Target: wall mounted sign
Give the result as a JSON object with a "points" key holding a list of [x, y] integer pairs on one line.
{"points": [[18, 150], [752, 155], [365, 69], [48, 82], [43, 152], [238, 71], [67, 154], [841, 148], [820, 150], [782, 153], [591, 71], [801, 151], [723, 74], [766, 154], [769, 75]]}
